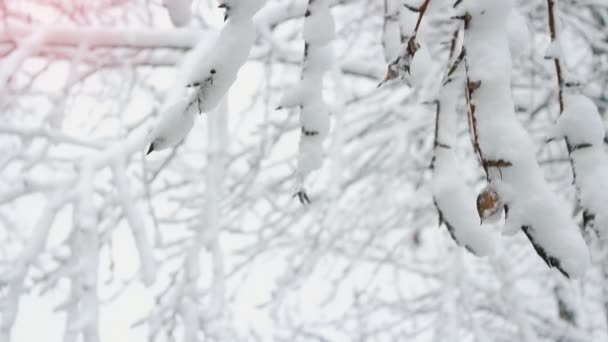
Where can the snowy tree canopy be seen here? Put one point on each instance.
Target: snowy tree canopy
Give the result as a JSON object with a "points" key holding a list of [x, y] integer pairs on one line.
{"points": [[303, 170]]}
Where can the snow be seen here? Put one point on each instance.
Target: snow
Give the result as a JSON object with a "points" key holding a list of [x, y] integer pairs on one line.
{"points": [[221, 64], [456, 200], [551, 227], [582, 125], [211, 73], [319, 27], [581, 121], [421, 67], [591, 168], [318, 32], [391, 35], [305, 91], [533, 207], [310, 154], [239, 10], [554, 50], [174, 124], [519, 35], [319, 60], [179, 11], [314, 118]]}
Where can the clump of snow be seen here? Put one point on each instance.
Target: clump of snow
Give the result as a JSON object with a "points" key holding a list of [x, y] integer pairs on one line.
{"points": [[580, 121], [582, 125], [305, 91], [455, 201], [319, 26], [310, 153], [319, 31], [314, 119], [175, 122], [554, 50], [319, 59], [551, 230]]}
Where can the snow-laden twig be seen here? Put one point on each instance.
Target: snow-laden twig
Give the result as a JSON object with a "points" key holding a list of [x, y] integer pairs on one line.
{"points": [[319, 31], [583, 126], [583, 129], [210, 77], [454, 199], [505, 148]]}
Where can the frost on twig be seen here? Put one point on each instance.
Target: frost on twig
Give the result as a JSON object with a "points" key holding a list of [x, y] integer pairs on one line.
{"points": [[308, 93], [505, 148]]}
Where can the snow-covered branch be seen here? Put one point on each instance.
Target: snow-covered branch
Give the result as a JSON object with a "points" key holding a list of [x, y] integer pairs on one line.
{"points": [[308, 94], [506, 150]]}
